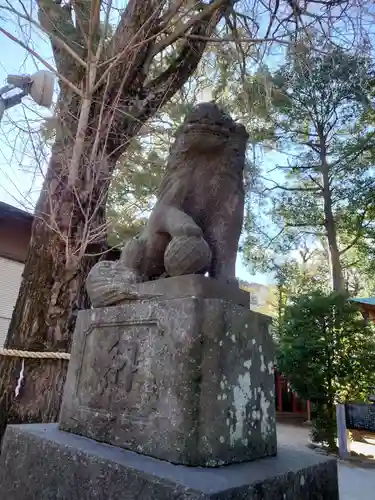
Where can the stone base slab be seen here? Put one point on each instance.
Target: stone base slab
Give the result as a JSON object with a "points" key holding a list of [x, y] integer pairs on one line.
{"points": [[40, 462]]}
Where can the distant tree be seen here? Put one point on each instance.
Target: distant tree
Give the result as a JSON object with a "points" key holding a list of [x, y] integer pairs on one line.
{"points": [[295, 277], [325, 349], [324, 190], [132, 191]]}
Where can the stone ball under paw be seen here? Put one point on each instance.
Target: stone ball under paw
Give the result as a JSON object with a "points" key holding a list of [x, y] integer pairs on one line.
{"points": [[187, 255]]}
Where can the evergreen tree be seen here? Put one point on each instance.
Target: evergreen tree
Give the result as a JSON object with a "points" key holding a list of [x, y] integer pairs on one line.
{"points": [[322, 193]]}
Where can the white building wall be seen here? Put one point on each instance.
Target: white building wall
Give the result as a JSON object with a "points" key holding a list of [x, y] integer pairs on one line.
{"points": [[10, 281]]}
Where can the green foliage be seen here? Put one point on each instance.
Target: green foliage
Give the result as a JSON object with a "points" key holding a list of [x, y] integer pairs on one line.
{"points": [[326, 350], [132, 191], [294, 278]]}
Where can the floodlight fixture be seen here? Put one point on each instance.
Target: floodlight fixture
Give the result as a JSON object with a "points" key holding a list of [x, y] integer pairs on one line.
{"points": [[38, 86]]}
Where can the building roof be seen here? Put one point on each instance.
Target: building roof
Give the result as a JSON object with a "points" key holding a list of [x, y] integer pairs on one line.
{"points": [[368, 301], [10, 212]]}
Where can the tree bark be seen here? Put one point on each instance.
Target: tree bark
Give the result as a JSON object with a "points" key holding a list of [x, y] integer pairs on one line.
{"points": [[61, 252], [52, 289], [329, 220]]}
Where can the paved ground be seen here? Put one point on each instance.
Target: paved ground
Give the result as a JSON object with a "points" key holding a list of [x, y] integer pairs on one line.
{"points": [[356, 483]]}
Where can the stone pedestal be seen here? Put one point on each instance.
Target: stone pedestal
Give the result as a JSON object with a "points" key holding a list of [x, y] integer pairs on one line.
{"points": [[39, 462], [188, 380]]}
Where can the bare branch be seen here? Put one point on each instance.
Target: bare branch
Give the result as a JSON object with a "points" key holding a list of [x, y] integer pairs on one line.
{"points": [[43, 61], [287, 188], [163, 87], [183, 28], [54, 38], [56, 19]]}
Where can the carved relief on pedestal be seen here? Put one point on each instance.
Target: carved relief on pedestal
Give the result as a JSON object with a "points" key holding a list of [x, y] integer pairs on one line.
{"points": [[116, 374], [121, 363]]}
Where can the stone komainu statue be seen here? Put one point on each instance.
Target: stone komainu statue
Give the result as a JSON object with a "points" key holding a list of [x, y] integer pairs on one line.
{"points": [[196, 223]]}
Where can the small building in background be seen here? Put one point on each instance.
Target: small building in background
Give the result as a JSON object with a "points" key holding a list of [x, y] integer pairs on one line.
{"points": [[262, 297], [367, 307], [15, 234]]}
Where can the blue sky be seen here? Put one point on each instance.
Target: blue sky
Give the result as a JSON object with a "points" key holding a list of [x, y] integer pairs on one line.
{"points": [[19, 186]]}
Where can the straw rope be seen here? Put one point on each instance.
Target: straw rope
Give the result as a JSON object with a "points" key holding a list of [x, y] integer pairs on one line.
{"points": [[15, 353]]}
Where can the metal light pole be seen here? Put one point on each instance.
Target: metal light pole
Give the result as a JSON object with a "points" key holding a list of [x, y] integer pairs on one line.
{"points": [[38, 86]]}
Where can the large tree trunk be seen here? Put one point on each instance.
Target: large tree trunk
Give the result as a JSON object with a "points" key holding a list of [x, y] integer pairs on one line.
{"points": [[329, 220], [52, 289], [335, 262], [42, 321], [62, 251]]}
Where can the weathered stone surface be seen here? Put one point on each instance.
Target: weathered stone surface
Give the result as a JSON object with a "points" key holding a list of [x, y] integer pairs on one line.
{"points": [[110, 282], [39, 462], [201, 197], [202, 192], [153, 376], [187, 255], [194, 285]]}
